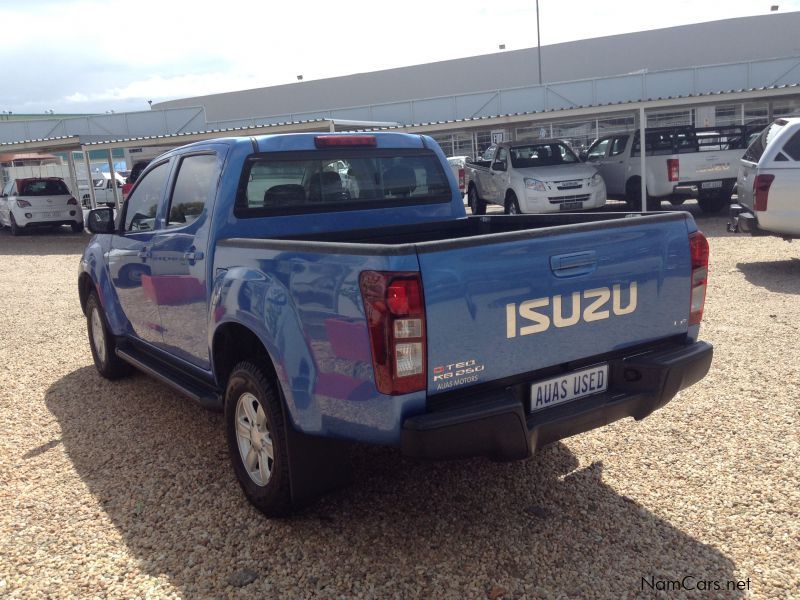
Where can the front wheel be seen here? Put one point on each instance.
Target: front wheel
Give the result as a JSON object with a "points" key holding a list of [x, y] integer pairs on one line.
{"points": [[476, 205], [512, 205], [257, 442], [102, 343]]}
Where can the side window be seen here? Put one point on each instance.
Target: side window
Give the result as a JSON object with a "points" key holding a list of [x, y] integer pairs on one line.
{"points": [[501, 157], [142, 205], [792, 147], [598, 150], [618, 146], [194, 188], [7, 188]]}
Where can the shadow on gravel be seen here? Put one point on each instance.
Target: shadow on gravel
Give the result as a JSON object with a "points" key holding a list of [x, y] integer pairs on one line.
{"points": [[777, 276], [159, 467]]}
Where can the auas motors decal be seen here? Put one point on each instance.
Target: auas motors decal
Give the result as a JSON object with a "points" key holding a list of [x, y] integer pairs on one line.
{"points": [[537, 316], [459, 373]]}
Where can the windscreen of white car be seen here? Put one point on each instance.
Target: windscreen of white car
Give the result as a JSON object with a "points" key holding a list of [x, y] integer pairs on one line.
{"points": [[541, 155], [319, 182]]}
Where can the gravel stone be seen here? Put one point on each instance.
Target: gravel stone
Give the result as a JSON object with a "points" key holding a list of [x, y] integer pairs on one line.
{"points": [[124, 489]]}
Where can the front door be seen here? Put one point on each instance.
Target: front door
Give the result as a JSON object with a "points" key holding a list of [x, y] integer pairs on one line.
{"points": [[615, 169], [129, 258], [180, 265]]}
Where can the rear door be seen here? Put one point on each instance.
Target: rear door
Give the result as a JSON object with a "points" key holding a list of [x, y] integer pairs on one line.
{"points": [[509, 304]]}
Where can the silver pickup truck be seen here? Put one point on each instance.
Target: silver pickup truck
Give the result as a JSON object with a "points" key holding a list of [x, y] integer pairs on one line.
{"points": [[533, 177], [681, 162]]}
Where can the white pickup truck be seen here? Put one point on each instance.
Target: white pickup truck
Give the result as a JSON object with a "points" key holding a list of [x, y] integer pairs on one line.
{"points": [[681, 162], [103, 189], [533, 177]]}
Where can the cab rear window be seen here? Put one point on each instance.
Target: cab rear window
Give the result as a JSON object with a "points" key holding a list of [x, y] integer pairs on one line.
{"points": [[757, 147], [321, 181]]}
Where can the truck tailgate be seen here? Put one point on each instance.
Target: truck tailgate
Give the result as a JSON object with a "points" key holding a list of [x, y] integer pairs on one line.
{"points": [[503, 305], [709, 166]]}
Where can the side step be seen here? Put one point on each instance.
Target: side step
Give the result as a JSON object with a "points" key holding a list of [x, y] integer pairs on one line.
{"points": [[205, 395]]}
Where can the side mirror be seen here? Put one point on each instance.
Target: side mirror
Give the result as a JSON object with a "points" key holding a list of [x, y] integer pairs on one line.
{"points": [[101, 220], [584, 155], [500, 165]]}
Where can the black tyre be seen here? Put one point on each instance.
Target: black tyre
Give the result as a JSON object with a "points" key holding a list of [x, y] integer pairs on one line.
{"points": [[102, 343], [713, 204], [15, 229], [476, 205], [633, 196], [512, 205], [254, 427], [677, 201], [76, 227]]}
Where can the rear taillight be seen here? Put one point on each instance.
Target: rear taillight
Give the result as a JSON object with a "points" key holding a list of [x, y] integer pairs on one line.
{"points": [[395, 314], [72, 201], [761, 185], [698, 246], [23, 203], [673, 169], [462, 179]]}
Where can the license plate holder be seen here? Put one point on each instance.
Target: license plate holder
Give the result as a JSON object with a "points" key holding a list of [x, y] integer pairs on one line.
{"points": [[568, 387], [710, 185], [571, 206]]}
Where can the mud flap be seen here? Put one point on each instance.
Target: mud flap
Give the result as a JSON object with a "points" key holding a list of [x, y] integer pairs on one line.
{"points": [[316, 464]]}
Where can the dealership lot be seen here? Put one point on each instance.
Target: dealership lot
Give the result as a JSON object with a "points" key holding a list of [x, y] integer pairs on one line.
{"points": [[124, 489]]}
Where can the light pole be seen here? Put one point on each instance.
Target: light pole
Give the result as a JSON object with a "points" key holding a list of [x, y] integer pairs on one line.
{"points": [[538, 43]]}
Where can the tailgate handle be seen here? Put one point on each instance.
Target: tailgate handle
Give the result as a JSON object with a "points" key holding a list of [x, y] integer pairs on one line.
{"points": [[574, 264]]}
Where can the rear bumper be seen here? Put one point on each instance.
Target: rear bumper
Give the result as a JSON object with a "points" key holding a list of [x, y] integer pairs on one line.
{"points": [[742, 220], [694, 188], [498, 425]]}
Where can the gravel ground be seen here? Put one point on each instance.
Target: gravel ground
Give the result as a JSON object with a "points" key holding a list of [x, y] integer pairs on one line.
{"points": [[125, 490]]}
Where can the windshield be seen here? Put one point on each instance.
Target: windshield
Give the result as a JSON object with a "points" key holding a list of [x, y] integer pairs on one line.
{"points": [[357, 178], [541, 155]]}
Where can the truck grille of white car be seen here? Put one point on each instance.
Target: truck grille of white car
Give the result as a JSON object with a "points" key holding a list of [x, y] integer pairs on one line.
{"points": [[575, 198]]}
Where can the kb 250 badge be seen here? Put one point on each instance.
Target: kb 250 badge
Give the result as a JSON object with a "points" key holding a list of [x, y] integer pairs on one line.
{"points": [[459, 373]]}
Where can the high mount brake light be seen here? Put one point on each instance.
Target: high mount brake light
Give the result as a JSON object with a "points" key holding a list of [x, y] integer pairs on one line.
{"points": [[395, 314], [327, 141], [698, 246]]}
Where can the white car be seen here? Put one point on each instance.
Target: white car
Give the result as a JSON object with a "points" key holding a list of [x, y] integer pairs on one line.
{"points": [[36, 202], [769, 183], [533, 177]]}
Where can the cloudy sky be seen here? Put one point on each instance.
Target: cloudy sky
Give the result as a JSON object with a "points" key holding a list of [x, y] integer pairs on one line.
{"points": [[76, 56]]}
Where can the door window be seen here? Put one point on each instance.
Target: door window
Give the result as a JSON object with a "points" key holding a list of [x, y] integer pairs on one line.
{"points": [[195, 186], [599, 149], [501, 160], [792, 147], [618, 147], [142, 205]]}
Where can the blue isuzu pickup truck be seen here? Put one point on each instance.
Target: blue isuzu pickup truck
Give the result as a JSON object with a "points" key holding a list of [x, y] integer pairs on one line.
{"points": [[321, 289]]}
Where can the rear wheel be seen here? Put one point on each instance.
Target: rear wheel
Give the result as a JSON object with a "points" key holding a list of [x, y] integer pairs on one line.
{"points": [[633, 196], [713, 204], [76, 227], [254, 427], [102, 343], [512, 205], [677, 201], [476, 205]]}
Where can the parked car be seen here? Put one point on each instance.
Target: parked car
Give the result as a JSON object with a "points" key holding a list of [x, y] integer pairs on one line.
{"points": [[458, 167], [533, 177], [243, 274], [38, 202], [769, 183], [136, 171], [680, 162], [103, 189]]}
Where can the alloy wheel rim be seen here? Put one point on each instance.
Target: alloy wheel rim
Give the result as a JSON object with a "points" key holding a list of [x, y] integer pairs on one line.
{"points": [[98, 335], [253, 439]]}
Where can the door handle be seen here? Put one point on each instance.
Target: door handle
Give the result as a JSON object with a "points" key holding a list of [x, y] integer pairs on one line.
{"points": [[193, 255], [144, 253]]}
